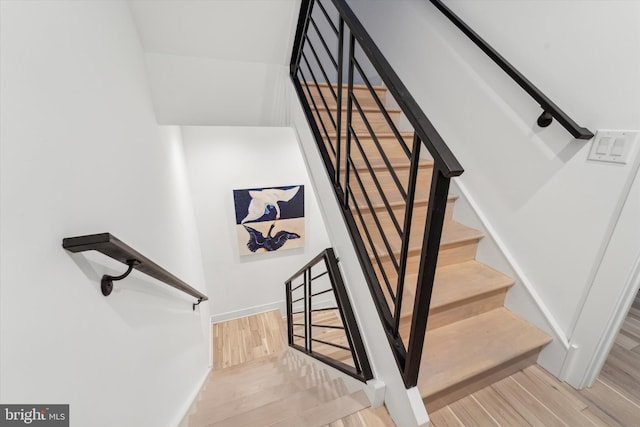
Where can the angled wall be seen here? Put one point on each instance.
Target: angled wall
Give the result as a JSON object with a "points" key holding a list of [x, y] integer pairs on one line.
{"points": [[81, 153]]}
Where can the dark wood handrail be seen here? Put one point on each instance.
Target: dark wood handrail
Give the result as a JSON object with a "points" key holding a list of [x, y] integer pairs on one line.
{"points": [[550, 109], [112, 247]]}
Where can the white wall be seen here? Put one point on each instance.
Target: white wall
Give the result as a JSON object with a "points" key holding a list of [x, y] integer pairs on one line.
{"points": [[217, 63], [553, 210], [223, 159], [195, 91], [81, 153]]}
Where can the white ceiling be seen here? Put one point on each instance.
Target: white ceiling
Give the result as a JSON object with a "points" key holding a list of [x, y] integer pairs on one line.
{"points": [[237, 30], [217, 62]]}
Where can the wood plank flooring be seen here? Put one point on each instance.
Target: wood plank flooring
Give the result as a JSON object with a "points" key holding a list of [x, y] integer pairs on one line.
{"points": [[248, 342], [248, 338], [533, 397]]}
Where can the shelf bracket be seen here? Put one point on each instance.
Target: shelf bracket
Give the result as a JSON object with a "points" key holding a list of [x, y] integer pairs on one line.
{"points": [[106, 284]]}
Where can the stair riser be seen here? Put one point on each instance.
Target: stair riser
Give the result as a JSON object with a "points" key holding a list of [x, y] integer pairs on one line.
{"points": [[393, 149], [388, 185], [362, 94], [452, 394], [420, 211], [465, 310], [449, 255], [453, 313], [417, 224]]}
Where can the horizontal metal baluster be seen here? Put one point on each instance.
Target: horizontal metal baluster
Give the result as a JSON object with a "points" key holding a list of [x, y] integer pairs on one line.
{"points": [[383, 236], [324, 102], [315, 107], [324, 73], [390, 168], [370, 239], [324, 43], [326, 15], [331, 344], [326, 326], [322, 292], [383, 109], [381, 193]]}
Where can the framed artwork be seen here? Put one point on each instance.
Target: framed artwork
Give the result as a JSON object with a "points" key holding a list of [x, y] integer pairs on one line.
{"points": [[269, 219]]}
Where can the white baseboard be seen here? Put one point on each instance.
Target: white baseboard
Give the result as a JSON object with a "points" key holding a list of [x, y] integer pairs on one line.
{"points": [[191, 401], [521, 276], [249, 311]]}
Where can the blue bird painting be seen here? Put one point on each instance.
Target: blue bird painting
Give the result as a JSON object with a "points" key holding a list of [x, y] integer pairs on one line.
{"points": [[271, 243], [269, 219]]}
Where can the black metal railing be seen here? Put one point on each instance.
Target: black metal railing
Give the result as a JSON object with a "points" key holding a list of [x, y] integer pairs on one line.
{"points": [[393, 193], [549, 109], [112, 247], [320, 320]]}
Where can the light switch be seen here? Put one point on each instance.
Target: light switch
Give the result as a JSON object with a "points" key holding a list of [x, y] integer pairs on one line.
{"points": [[618, 147], [603, 145], [614, 146]]}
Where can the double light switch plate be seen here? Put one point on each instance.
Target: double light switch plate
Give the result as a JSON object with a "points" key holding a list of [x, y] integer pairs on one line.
{"points": [[614, 146]]}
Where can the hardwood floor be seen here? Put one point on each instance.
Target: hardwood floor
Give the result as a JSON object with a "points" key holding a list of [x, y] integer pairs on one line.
{"points": [[532, 397], [255, 340], [248, 338]]}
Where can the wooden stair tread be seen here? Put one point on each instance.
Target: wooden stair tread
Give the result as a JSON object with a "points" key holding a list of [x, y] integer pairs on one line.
{"points": [[497, 337], [327, 412], [453, 234], [463, 281]]}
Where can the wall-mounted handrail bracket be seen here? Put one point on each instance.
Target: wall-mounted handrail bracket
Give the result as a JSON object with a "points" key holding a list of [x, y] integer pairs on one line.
{"points": [[545, 119], [197, 303], [106, 283]]}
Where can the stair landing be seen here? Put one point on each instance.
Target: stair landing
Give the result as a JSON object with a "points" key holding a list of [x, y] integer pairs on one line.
{"points": [[257, 381]]}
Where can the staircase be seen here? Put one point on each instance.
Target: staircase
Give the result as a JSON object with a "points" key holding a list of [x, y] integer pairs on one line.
{"points": [[277, 389], [472, 340]]}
